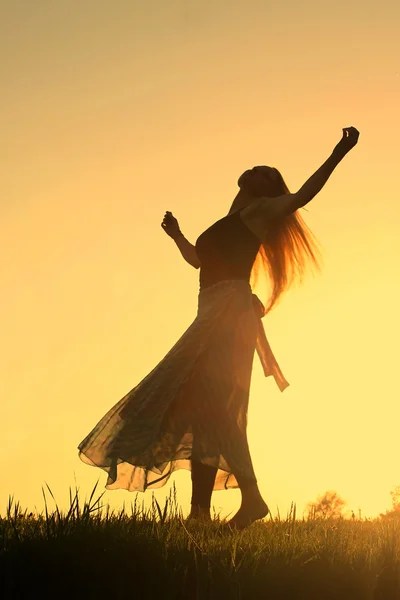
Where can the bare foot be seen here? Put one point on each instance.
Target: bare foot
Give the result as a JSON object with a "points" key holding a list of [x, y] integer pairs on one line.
{"points": [[246, 515]]}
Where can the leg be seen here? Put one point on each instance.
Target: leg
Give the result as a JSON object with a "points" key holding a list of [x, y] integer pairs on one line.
{"points": [[203, 477]]}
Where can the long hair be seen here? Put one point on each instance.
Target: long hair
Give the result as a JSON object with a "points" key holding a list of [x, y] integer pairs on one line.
{"points": [[284, 254]]}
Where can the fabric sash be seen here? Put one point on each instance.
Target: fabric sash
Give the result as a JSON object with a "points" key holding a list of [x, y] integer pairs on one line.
{"points": [[266, 356]]}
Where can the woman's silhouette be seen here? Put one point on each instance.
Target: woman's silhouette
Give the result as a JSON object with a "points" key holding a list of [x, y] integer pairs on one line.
{"points": [[190, 411]]}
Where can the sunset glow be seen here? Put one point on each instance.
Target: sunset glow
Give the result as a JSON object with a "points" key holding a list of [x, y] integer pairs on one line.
{"points": [[113, 114]]}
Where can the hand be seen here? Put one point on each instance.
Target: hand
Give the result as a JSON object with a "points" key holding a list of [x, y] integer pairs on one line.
{"points": [[170, 225], [348, 141]]}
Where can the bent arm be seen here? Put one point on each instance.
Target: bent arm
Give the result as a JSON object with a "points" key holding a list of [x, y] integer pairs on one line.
{"points": [[187, 250]]}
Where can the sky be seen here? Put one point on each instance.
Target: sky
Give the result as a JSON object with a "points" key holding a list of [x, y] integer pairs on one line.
{"points": [[114, 112]]}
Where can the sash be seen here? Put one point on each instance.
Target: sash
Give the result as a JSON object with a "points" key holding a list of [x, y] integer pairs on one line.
{"points": [[266, 356]]}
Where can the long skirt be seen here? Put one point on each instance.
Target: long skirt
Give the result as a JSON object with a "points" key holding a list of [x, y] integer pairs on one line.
{"points": [[193, 404]]}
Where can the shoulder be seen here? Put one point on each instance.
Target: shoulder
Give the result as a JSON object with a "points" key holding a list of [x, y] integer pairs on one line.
{"points": [[261, 214]]}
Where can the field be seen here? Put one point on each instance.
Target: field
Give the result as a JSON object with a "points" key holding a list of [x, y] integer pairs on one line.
{"points": [[90, 551]]}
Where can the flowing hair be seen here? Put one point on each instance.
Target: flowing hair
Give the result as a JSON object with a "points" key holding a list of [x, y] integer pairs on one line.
{"points": [[284, 254]]}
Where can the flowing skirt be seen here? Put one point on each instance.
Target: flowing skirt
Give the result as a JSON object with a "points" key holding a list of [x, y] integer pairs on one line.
{"points": [[192, 405]]}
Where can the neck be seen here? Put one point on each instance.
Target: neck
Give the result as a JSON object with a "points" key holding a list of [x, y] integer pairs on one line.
{"points": [[241, 200]]}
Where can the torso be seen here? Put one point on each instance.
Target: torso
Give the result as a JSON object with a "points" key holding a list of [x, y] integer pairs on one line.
{"points": [[227, 250], [254, 218]]}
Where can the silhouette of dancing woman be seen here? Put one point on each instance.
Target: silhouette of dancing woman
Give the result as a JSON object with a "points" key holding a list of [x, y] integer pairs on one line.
{"points": [[190, 411]]}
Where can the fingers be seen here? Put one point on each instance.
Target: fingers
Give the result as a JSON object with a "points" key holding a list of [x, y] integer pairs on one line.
{"points": [[350, 131], [168, 216], [167, 219]]}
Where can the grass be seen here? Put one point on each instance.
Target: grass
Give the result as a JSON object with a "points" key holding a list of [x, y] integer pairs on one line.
{"points": [[91, 551]]}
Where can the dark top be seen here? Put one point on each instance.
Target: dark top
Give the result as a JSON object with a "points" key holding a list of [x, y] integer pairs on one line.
{"points": [[226, 250]]}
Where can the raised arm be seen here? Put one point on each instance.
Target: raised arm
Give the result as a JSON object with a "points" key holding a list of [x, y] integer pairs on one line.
{"points": [[188, 251], [261, 212]]}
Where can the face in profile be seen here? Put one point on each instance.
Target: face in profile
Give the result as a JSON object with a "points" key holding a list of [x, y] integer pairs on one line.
{"points": [[260, 181]]}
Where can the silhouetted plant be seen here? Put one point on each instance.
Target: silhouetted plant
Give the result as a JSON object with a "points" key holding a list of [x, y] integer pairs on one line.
{"points": [[327, 506]]}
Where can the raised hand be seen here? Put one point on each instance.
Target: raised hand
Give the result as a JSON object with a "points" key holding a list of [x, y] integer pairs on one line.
{"points": [[170, 225], [348, 141]]}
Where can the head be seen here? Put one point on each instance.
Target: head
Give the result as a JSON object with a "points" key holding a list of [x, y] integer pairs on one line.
{"points": [[262, 181]]}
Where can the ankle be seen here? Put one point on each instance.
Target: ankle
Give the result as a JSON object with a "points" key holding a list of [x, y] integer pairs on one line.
{"points": [[251, 495]]}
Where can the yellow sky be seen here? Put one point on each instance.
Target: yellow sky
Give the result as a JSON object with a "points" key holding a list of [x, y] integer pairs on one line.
{"points": [[113, 113]]}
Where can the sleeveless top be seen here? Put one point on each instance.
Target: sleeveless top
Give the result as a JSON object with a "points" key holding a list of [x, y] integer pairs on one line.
{"points": [[226, 250]]}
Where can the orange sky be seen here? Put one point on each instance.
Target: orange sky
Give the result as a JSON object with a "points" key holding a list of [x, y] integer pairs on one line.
{"points": [[113, 113]]}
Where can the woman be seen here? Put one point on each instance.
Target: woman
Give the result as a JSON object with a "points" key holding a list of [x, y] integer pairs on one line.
{"points": [[190, 411]]}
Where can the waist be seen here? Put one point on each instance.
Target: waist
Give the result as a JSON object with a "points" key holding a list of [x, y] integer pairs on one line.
{"points": [[207, 280], [225, 286], [227, 282]]}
